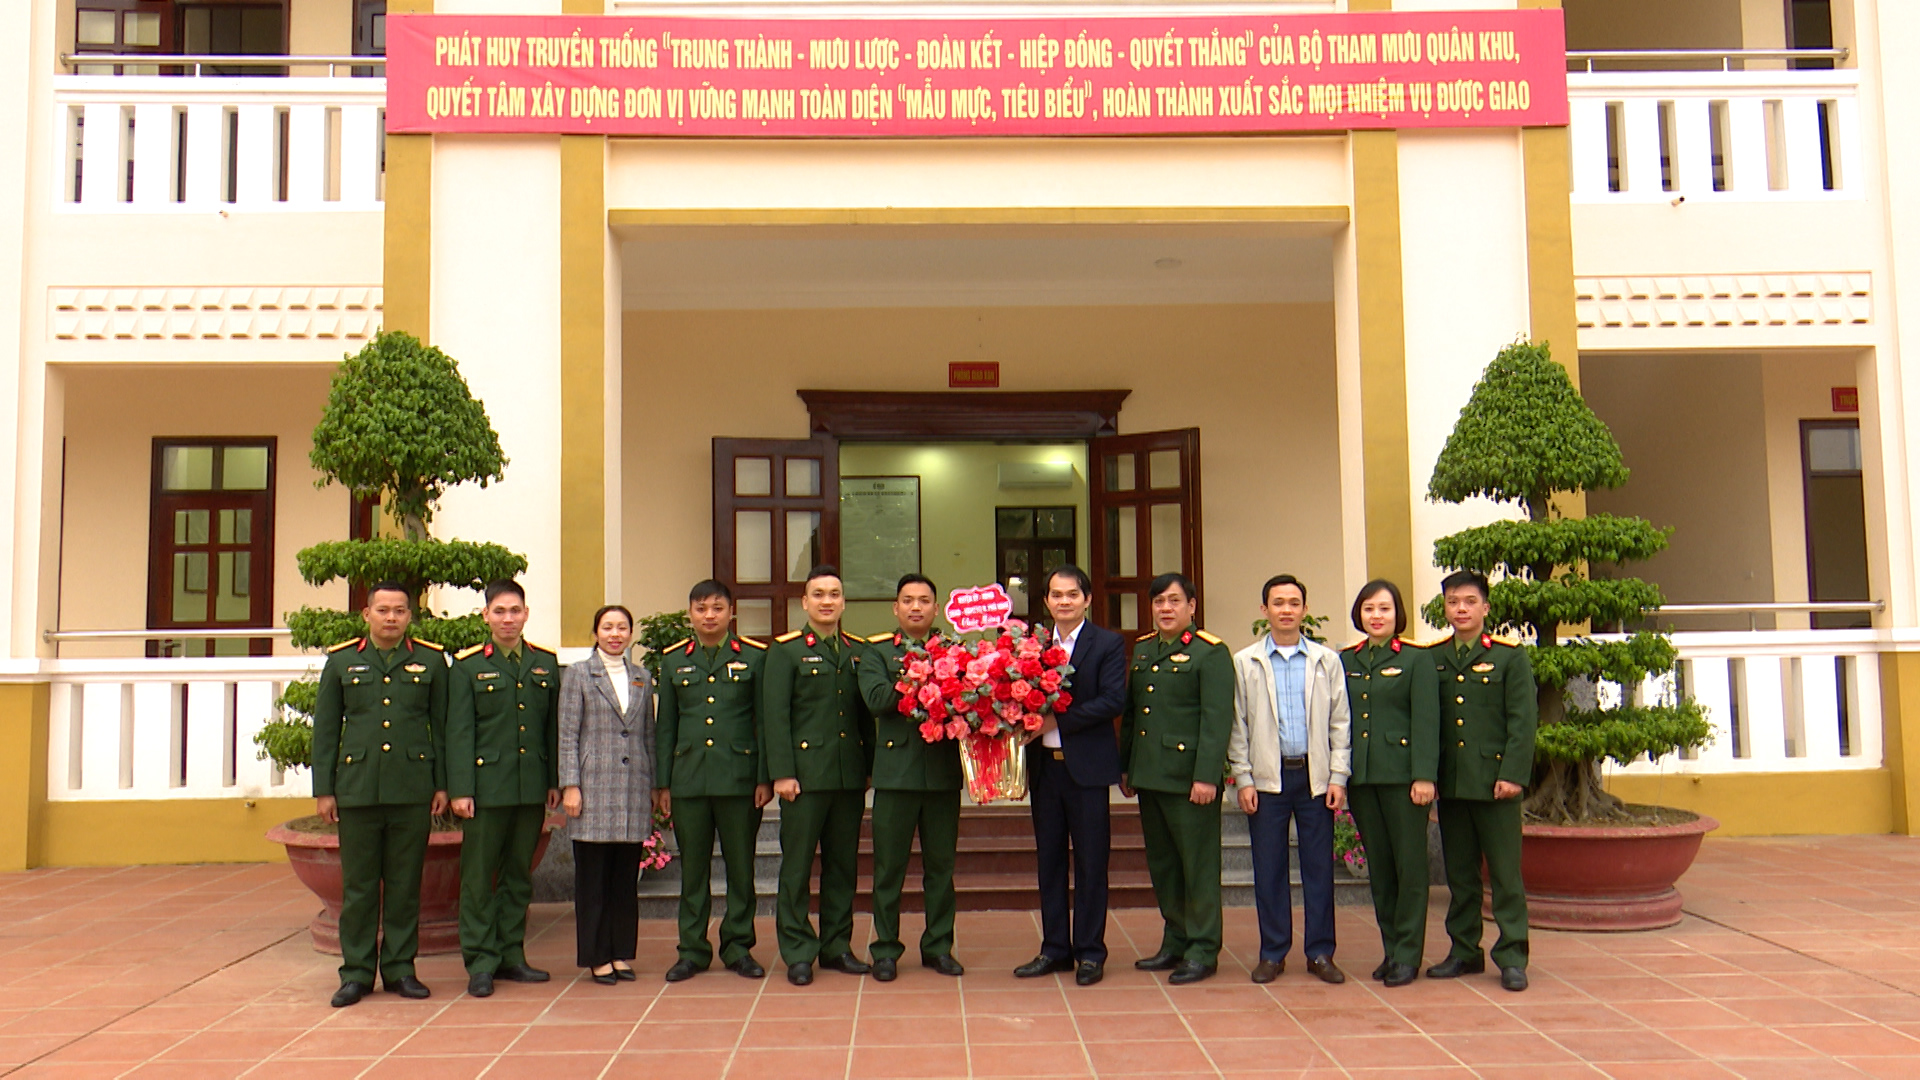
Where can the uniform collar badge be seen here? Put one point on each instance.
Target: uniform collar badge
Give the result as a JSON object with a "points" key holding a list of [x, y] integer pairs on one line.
{"points": [[692, 645], [488, 651], [1186, 638], [810, 639], [1486, 641], [1395, 646], [736, 644]]}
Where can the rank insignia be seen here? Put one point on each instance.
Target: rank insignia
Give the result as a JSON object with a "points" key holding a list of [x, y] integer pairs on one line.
{"points": [[1179, 658], [1483, 667], [415, 668], [1389, 671], [540, 671]]}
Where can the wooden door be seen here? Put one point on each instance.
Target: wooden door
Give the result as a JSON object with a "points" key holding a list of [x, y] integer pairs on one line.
{"points": [[210, 545], [776, 515], [1144, 499]]}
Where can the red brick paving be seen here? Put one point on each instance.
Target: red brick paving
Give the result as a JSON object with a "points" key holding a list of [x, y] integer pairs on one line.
{"points": [[1798, 958]]}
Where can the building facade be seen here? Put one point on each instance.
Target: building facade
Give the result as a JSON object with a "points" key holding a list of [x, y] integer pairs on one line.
{"points": [[1228, 353]]}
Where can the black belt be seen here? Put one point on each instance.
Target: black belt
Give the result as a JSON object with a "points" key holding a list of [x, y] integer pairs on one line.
{"points": [[1293, 762]]}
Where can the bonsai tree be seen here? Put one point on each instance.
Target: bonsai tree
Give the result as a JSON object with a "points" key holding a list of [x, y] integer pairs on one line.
{"points": [[1524, 436], [401, 425]]}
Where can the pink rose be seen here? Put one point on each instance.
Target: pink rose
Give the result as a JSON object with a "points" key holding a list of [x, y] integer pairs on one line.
{"points": [[919, 670], [932, 730], [1020, 688], [956, 728], [1050, 681], [928, 695], [1030, 649], [945, 668], [1033, 721]]}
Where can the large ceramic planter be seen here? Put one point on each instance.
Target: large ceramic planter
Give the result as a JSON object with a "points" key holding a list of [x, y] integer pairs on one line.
{"points": [[315, 857], [1596, 878]]}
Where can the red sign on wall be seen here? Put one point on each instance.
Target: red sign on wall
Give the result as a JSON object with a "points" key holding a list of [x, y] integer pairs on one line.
{"points": [[1846, 399], [973, 374], [671, 76]]}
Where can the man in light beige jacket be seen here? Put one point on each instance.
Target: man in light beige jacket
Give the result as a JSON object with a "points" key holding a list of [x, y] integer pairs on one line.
{"points": [[1290, 759]]}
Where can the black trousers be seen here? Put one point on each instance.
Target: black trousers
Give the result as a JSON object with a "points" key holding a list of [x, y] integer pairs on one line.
{"points": [[606, 905], [1068, 816]]}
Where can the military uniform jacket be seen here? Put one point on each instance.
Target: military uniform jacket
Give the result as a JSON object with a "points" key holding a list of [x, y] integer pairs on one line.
{"points": [[902, 759], [1489, 713], [380, 724], [1393, 692], [1179, 713], [817, 727], [708, 737], [503, 726]]}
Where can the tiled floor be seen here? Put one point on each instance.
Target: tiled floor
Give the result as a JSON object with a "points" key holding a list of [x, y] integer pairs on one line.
{"points": [[1798, 958]]}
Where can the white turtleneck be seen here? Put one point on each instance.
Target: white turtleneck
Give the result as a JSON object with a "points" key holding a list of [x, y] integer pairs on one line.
{"points": [[617, 675]]}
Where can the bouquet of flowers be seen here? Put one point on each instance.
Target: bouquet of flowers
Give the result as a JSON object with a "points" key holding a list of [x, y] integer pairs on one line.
{"points": [[654, 854], [986, 692]]}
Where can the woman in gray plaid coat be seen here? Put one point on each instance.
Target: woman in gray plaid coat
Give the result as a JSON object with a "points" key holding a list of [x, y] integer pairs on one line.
{"points": [[606, 780]]}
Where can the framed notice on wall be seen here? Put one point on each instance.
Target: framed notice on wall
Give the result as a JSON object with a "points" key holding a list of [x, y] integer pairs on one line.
{"points": [[879, 533]]}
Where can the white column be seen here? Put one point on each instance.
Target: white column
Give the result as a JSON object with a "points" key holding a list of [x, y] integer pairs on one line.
{"points": [[496, 310]]}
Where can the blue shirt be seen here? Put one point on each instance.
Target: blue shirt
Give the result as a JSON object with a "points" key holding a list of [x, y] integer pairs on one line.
{"points": [[1289, 664]]}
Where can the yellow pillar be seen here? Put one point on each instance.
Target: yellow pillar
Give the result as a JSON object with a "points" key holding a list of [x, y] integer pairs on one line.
{"points": [[583, 383], [23, 773], [407, 265], [1899, 706]]}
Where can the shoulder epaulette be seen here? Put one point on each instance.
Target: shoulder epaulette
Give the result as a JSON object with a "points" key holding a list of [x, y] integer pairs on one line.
{"points": [[347, 644], [1405, 640], [1356, 646], [469, 651], [1145, 636], [542, 648], [436, 646], [788, 636], [676, 645], [1512, 643], [745, 640], [1436, 642], [877, 639], [1208, 638]]}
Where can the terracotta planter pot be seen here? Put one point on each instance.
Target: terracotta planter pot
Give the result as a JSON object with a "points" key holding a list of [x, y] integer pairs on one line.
{"points": [[315, 858], [1594, 878]]}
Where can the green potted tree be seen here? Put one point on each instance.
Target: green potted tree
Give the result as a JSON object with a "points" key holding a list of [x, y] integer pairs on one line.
{"points": [[401, 426], [1525, 436]]}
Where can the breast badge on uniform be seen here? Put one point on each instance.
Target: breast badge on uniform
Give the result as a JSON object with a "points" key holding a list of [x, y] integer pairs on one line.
{"points": [[1483, 667], [1389, 671], [487, 675], [414, 669], [356, 668], [736, 666], [1179, 658]]}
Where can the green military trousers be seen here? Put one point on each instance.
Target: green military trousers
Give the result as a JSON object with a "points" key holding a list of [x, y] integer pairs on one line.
{"points": [[696, 821], [1470, 830], [1394, 831], [827, 822], [1183, 857], [382, 852], [896, 816], [496, 885]]}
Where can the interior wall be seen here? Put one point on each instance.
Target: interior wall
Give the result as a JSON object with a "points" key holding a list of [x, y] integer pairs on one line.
{"points": [[1692, 431], [1258, 380], [112, 417], [959, 487], [1799, 387], [1658, 24]]}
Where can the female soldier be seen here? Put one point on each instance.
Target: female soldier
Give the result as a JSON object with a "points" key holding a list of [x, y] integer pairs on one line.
{"points": [[1396, 751]]}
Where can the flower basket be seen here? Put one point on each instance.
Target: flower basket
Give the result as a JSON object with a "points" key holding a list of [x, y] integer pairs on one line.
{"points": [[994, 766], [991, 694]]}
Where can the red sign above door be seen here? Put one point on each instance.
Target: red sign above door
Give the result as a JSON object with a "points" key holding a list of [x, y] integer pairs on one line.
{"points": [[1068, 75], [973, 374]]}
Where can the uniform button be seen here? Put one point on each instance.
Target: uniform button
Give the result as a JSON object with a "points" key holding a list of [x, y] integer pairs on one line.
{"points": [[889, 744], [1463, 744], [523, 705], [386, 701], [385, 746], [1496, 757], [709, 701], [523, 749], [623, 761], [623, 734], [709, 721], [1459, 678], [386, 723], [1156, 667], [1459, 701], [479, 761], [1363, 716], [843, 734], [1149, 689], [1181, 746], [803, 743], [386, 678], [803, 746], [519, 686], [1460, 723], [1363, 734], [1146, 710], [349, 759], [523, 727], [1403, 742], [1363, 696], [1143, 733], [709, 678]]}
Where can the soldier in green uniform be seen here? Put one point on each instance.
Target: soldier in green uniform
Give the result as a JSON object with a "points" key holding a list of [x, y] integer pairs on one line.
{"points": [[1489, 714], [916, 786], [1174, 744], [503, 734], [819, 741], [1391, 689], [710, 776], [379, 770]]}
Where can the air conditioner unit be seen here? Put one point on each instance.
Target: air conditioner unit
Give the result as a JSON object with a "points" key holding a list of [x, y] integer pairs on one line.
{"points": [[1041, 475]]}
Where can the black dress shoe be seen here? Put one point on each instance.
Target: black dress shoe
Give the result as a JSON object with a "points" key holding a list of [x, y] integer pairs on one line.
{"points": [[1380, 973], [681, 971], [886, 969], [480, 984], [800, 974], [1513, 978], [1323, 969], [409, 987], [1399, 975], [945, 965], [846, 962], [608, 979], [1160, 961], [1042, 965], [523, 973], [1189, 972], [747, 968], [624, 974], [1089, 972], [1453, 967], [350, 993]]}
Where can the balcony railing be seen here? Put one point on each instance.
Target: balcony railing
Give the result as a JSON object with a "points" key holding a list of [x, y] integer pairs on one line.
{"points": [[166, 729], [160, 144], [1673, 136]]}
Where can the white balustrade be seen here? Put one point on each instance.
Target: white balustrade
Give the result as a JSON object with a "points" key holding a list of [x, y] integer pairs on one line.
{"points": [[1720, 135], [167, 728], [1779, 701], [161, 144]]}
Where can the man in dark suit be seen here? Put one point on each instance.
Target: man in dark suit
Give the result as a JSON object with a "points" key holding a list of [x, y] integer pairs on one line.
{"points": [[1071, 765]]}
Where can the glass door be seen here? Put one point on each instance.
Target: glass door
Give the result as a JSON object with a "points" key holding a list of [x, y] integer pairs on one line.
{"points": [[1836, 506]]}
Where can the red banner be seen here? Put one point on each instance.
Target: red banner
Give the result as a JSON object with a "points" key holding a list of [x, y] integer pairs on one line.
{"points": [[665, 76]]}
